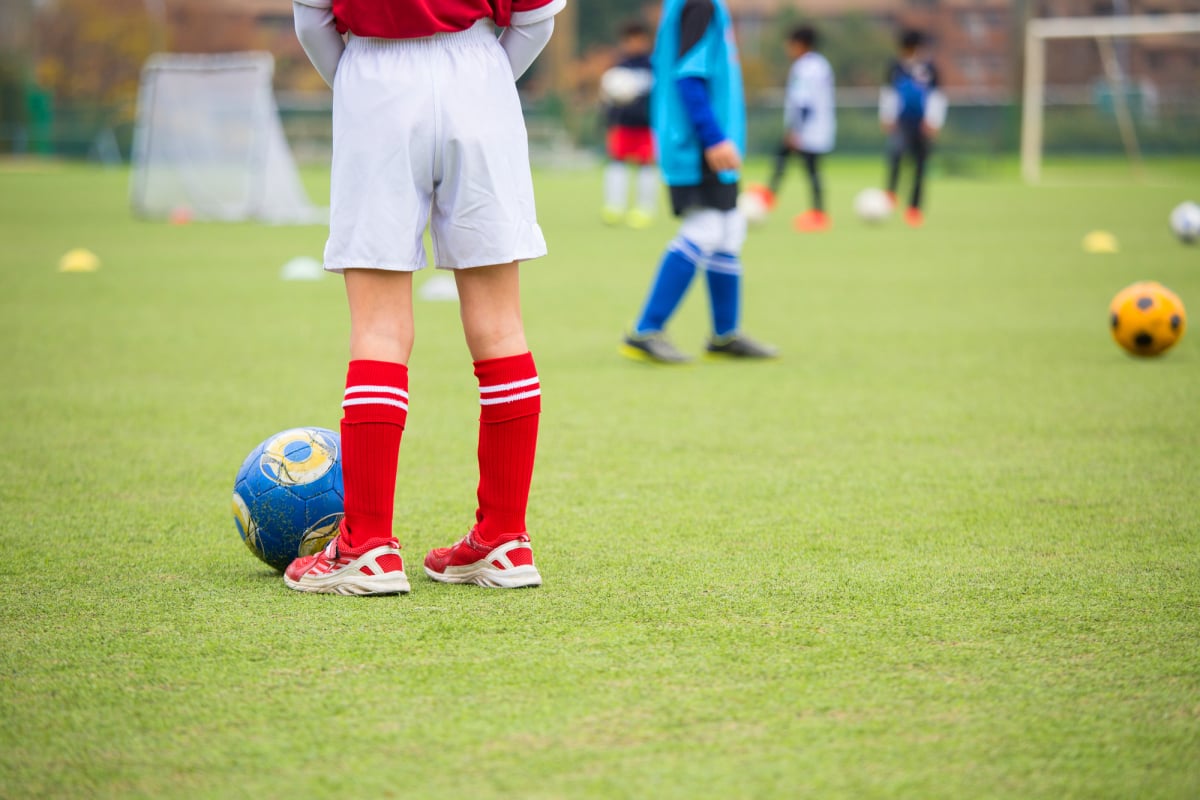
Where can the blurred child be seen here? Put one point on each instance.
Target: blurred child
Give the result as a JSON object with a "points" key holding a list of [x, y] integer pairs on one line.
{"points": [[427, 127], [912, 110], [810, 122], [699, 117], [630, 141]]}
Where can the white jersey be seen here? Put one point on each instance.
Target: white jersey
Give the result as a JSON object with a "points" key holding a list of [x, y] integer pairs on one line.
{"points": [[809, 109]]}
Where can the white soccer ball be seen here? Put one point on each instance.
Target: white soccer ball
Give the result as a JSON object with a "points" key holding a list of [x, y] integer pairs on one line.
{"points": [[1185, 222], [754, 206], [872, 205], [620, 86]]}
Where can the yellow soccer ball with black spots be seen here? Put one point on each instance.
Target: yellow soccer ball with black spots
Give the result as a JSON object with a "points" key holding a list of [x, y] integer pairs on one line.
{"points": [[1147, 318]]}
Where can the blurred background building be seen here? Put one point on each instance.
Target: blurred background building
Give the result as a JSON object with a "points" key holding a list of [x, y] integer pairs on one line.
{"points": [[69, 69]]}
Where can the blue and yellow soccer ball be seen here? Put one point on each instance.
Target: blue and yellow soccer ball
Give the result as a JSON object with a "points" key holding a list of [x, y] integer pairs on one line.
{"points": [[288, 499]]}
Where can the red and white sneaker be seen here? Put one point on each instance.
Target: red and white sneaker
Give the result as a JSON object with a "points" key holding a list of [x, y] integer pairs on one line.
{"points": [[373, 568], [508, 565]]}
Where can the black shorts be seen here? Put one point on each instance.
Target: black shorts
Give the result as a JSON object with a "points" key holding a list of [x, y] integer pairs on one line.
{"points": [[909, 138], [709, 193]]}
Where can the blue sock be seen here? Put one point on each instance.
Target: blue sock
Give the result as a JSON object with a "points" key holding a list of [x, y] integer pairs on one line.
{"points": [[674, 276], [725, 292]]}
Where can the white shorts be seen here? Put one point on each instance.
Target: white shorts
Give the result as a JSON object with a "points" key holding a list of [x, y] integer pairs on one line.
{"points": [[429, 131]]}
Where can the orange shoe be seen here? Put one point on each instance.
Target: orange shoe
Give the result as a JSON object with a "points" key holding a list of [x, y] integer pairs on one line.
{"points": [[812, 222], [914, 218], [891, 196]]}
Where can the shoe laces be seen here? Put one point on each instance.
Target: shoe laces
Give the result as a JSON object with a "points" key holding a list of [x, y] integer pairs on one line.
{"points": [[470, 541], [484, 549], [331, 549]]}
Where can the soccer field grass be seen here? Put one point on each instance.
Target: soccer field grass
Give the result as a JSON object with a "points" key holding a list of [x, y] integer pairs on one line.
{"points": [[948, 546]]}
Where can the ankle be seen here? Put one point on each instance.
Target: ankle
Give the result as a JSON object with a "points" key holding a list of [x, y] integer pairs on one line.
{"points": [[490, 540], [365, 545]]}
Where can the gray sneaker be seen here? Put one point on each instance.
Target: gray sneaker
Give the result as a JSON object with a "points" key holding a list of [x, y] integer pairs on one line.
{"points": [[739, 345], [653, 347]]}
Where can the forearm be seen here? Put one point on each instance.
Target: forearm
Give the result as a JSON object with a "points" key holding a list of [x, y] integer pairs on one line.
{"points": [[889, 105], [791, 116], [694, 93], [523, 43], [795, 115], [798, 103], [935, 110], [318, 35]]}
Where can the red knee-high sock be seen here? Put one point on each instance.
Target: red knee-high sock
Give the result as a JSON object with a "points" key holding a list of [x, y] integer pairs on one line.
{"points": [[510, 399], [374, 411]]}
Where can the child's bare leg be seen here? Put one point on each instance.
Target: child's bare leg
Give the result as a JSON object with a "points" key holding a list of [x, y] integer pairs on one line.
{"points": [[365, 557], [509, 397], [375, 407], [490, 304], [381, 318]]}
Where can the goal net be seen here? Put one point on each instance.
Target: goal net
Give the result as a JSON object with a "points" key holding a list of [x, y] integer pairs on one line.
{"points": [[1109, 51], [208, 143]]}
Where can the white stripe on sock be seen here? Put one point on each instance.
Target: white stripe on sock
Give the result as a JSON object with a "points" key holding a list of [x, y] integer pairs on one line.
{"points": [[376, 389], [375, 401], [495, 401], [685, 248], [727, 266], [504, 387]]}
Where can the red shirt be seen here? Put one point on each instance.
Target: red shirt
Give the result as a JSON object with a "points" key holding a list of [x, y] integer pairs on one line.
{"points": [[412, 19]]}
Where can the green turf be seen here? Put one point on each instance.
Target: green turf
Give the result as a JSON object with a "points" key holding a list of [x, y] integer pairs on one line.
{"points": [[948, 546]]}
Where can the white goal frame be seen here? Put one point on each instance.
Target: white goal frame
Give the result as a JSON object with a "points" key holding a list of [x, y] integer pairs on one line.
{"points": [[1103, 30], [208, 142]]}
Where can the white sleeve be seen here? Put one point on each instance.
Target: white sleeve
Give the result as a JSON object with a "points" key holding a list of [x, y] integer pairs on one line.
{"points": [[826, 90], [889, 105], [795, 98], [521, 18], [318, 35], [935, 109], [523, 43]]}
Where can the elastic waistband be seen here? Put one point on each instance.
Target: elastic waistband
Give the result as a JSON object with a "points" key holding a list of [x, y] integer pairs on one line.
{"points": [[481, 31]]}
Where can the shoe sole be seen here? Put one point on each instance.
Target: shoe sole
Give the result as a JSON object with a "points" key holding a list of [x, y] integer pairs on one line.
{"points": [[737, 357], [359, 584], [483, 574], [634, 354]]}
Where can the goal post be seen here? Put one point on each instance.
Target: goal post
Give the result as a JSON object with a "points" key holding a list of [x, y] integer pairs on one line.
{"points": [[1103, 29], [208, 142]]}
